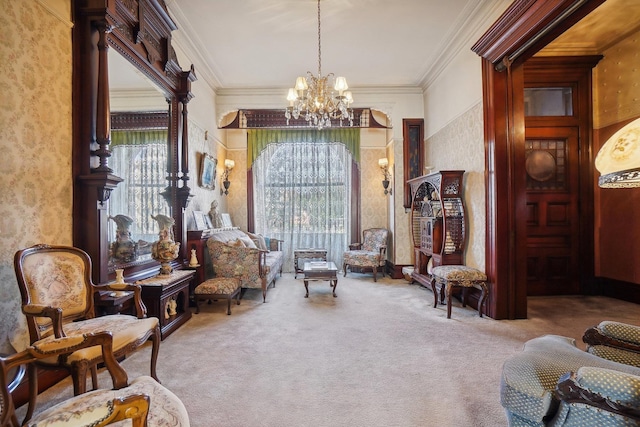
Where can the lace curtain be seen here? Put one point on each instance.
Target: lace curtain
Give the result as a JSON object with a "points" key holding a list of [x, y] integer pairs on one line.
{"points": [[302, 195], [140, 157]]}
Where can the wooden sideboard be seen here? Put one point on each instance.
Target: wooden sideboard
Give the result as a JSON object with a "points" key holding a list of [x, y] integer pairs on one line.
{"points": [[167, 298], [438, 222]]}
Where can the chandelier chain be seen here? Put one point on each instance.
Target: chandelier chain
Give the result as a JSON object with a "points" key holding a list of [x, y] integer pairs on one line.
{"points": [[320, 99], [319, 44]]}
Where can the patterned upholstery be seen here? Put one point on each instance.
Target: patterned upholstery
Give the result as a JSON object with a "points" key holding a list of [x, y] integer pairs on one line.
{"points": [[59, 277], [144, 399], [254, 267], [615, 341], [447, 277], [616, 387], [372, 253], [165, 409], [219, 287], [529, 379]]}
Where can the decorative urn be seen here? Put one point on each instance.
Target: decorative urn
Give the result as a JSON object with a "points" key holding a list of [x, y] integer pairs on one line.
{"points": [[165, 249]]}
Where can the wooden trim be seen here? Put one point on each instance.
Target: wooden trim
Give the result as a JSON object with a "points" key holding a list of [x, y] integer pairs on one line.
{"points": [[521, 26], [527, 26], [618, 289]]}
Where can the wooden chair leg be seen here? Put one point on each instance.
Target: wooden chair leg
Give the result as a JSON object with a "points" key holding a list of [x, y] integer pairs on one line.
{"points": [[32, 372], [375, 272], [155, 339], [435, 292], [449, 292], [94, 376], [344, 268], [229, 304]]}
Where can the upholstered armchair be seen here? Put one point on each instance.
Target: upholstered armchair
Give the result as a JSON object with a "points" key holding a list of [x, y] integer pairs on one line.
{"points": [[615, 341], [371, 253], [554, 383], [58, 301], [144, 402]]}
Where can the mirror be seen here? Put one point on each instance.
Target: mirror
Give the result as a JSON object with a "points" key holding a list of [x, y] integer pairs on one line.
{"points": [[117, 189], [139, 135]]}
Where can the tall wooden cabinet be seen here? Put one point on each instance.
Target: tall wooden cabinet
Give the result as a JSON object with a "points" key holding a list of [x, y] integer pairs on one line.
{"points": [[438, 222]]}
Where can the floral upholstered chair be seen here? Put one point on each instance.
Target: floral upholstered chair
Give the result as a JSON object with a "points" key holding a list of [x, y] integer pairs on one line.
{"points": [[58, 301], [145, 402], [554, 383], [370, 254]]}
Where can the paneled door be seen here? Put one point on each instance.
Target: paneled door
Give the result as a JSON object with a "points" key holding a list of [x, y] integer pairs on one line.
{"points": [[552, 206]]}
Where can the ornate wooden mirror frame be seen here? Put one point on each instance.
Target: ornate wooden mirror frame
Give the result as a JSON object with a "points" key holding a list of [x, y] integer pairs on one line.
{"points": [[141, 32]]}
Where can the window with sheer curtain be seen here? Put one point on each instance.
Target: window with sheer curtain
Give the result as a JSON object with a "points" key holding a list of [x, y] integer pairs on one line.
{"points": [[141, 156], [302, 195]]}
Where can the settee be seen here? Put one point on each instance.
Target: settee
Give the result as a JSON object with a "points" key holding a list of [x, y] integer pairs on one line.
{"points": [[248, 257], [554, 383]]}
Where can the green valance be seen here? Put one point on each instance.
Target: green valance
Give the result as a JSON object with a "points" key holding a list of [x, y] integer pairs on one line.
{"points": [[138, 137], [258, 139]]}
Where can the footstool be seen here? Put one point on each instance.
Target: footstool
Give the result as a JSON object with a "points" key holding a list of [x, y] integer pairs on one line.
{"points": [[448, 277], [217, 288]]}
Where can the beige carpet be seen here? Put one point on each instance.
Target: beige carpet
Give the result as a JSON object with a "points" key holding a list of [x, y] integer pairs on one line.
{"points": [[378, 355]]}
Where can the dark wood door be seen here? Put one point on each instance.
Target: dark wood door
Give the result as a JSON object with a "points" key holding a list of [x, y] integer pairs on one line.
{"points": [[553, 220]]}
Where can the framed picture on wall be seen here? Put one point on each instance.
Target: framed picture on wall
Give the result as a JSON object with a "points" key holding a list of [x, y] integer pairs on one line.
{"points": [[413, 152], [226, 220], [200, 221], [208, 171]]}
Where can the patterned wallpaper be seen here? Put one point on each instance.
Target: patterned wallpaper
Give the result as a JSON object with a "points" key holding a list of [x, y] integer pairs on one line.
{"points": [[460, 145], [202, 197], [35, 135], [373, 201], [403, 250], [616, 83]]}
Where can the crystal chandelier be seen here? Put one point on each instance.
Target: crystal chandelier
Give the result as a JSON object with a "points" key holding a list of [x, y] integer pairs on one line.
{"points": [[313, 98]]}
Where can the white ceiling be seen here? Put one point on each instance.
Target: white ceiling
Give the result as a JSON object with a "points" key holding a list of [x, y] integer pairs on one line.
{"points": [[373, 43], [266, 44]]}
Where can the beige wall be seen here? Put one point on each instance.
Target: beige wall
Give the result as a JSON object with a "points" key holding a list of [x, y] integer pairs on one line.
{"points": [[35, 138], [616, 93], [460, 146]]}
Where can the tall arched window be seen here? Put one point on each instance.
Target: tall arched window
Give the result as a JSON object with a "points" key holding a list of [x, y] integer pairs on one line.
{"points": [[302, 195]]}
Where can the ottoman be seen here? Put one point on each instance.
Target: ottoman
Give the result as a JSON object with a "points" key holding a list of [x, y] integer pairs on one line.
{"points": [[217, 288], [448, 277]]}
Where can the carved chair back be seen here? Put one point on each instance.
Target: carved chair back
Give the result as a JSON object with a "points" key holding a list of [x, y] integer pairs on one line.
{"points": [[56, 276]]}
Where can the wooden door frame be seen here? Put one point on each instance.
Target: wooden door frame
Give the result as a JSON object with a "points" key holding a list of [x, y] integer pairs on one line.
{"points": [[522, 30]]}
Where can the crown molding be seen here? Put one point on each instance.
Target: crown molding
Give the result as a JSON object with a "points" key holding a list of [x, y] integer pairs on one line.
{"points": [[474, 19]]}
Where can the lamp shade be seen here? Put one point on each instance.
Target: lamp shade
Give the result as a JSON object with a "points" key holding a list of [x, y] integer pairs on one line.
{"points": [[618, 161], [229, 164], [383, 163]]}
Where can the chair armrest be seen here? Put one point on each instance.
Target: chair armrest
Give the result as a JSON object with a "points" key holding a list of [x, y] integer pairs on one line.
{"points": [[383, 250], [355, 246], [614, 334], [60, 346], [604, 389], [53, 313]]}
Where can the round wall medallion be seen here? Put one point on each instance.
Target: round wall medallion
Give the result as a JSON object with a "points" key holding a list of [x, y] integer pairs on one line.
{"points": [[540, 165]]}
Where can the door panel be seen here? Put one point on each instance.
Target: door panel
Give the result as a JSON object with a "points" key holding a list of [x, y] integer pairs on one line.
{"points": [[552, 189]]}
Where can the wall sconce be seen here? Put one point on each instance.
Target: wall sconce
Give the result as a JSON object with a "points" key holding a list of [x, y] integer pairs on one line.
{"points": [[228, 165], [384, 165], [619, 158]]}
